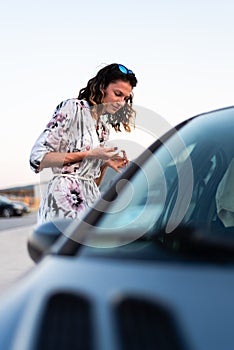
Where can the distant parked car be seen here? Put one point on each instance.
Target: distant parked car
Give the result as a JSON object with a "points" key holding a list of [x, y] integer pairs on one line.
{"points": [[8, 208], [26, 208]]}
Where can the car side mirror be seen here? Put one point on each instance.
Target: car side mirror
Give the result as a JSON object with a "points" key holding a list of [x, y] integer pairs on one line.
{"points": [[44, 236]]}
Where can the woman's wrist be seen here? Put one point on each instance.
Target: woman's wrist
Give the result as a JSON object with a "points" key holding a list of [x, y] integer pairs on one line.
{"points": [[83, 154]]}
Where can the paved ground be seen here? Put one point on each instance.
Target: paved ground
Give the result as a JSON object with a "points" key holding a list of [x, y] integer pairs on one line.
{"points": [[14, 258], [18, 221]]}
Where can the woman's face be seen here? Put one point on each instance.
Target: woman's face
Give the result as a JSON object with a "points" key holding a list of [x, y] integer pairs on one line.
{"points": [[116, 95]]}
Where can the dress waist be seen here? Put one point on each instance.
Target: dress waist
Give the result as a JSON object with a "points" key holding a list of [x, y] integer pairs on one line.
{"points": [[74, 176]]}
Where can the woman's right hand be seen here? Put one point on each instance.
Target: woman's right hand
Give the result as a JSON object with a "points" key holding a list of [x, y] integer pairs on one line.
{"points": [[104, 153]]}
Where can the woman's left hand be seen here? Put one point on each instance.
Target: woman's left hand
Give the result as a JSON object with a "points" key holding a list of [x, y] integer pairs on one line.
{"points": [[117, 162]]}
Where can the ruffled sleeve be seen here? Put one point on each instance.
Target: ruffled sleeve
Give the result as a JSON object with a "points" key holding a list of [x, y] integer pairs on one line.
{"points": [[51, 139]]}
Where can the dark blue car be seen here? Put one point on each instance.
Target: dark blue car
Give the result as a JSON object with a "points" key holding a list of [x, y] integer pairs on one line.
{"points": [[150, 267], [8, 208]]}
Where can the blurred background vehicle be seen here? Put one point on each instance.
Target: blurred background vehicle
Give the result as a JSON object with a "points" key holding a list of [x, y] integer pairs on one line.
{"points": [[151, 266], [26, 207], [9, 208]]}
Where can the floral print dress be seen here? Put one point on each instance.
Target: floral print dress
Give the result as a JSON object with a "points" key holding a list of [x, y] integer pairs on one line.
{"points": [[72, 188]]}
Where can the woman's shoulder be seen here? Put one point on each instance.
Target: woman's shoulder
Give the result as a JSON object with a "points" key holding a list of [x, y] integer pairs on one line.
{"points": [[72, 102], [82, 103], [70, 108]]}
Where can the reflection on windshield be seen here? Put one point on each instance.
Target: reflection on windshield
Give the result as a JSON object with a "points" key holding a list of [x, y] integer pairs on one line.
{"points": [[177, 184], [143, 200]]}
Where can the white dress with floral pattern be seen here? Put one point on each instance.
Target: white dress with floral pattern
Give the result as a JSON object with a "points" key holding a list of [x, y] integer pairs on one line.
{"points": [[72, 189]]}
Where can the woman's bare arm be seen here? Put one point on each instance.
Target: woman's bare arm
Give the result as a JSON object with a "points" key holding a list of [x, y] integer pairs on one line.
{"points": [[59, 159]]}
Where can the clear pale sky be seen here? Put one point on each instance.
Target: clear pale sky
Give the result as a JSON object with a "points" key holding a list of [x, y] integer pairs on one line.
{"points": [[182, 53]]}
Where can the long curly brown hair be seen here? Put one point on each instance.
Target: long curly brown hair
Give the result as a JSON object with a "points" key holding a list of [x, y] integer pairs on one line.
{"points": [[94, 93]]}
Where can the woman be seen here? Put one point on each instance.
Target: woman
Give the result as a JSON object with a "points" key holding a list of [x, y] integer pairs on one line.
{"points": [[73, 143]]}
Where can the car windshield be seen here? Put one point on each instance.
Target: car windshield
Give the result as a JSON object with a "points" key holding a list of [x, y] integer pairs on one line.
{"points": [[187, 180]]}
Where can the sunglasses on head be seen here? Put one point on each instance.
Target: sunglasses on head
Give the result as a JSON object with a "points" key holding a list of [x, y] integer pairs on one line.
{"points": [[124, 69]]}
